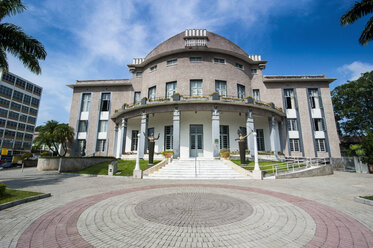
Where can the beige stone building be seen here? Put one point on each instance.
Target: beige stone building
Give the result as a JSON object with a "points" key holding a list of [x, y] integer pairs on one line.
{"points": [[198, 90]]}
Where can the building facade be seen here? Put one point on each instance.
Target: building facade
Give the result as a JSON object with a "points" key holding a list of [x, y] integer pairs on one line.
{"points": [[198, 90], [19, 105]]}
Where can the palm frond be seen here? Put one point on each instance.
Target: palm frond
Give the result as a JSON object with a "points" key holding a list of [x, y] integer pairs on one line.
{"points": [[21, 45], [367, 34], [359, 9], [3, 61], [11, 7]]}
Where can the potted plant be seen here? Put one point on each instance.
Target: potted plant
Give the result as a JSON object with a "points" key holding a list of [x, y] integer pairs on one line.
{"points": [[176, 97], [224, 153], [215, 96], [144, 100], [250, 100], [167, 154]]}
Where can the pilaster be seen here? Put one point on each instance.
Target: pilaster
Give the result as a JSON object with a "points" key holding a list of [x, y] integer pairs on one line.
{"points": [[215, 132], [176, 133]]}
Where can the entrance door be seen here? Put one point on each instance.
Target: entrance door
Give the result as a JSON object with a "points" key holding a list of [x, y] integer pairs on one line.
{"points": [[196, 141]]}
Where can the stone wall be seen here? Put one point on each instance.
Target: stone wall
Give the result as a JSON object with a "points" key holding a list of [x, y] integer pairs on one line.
{"points": [[313, 172], [69, 164]]}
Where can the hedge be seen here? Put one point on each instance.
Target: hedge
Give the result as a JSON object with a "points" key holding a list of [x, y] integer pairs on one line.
{"points": [[2, 189]]}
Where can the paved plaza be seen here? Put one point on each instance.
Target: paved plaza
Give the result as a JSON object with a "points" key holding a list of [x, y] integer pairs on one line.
{"points": [[124, 212]]}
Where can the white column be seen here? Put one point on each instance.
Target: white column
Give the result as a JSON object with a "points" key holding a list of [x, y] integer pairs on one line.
{"points": [[121, 135], [176, 133], [137, 172], [215, 133], [250, 128], [143, 129], [273, 134], [116, 141], [257, 173]]}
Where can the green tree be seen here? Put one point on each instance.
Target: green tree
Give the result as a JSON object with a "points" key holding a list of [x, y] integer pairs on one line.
{"points": [[54, 134], [353, 105], [367, 145], [13, 40], [360, 9]]}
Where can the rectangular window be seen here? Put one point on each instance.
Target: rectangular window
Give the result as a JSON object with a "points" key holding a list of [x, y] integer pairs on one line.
{"points": [[241, 91], [35, 102], [168, 138], [86, 100], [13, 115], [254, 71], [9, 78], [170, 89], [4, 102], [33, 111], [195, 59], [30, 128], [221, 87], [289, 99], [139, 74], [100, 145], [294, 145], [9, 134], [314, 98], [260, 139], [105, 102], [224, 137], [151, 93], [318, 124], [102, 126], [219, 61], [196, 88], [137, 97], [20, 83], [19, 135], [29, 87], [239, 66], [25, 109], [2, 122], [37, 90], [15, 106], [21, 126], [17, 95], [23, 118], [11, 124], [134, 140], [31, 120], [320, 145], [82, 146], [256, 94], [3, 112], [28, 136], [172, 62], [6, 91], [292, 125], [27, 99], [83, 126], [153, 68]]}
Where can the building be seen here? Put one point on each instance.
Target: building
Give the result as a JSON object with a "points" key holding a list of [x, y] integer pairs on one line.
{"points": [[198, 90], [19, 105]]}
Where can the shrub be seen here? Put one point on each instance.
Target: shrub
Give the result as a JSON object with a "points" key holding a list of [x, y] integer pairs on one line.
{"points": [[167, 154], [45, 154], [224, 153], [26, 156], [2, 189]]}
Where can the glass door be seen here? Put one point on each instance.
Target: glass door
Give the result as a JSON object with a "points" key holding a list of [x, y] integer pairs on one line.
{"points": [[196, 141]]}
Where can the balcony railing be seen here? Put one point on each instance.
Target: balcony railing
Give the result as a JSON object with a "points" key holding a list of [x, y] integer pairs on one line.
{"points": [[212, 97]]}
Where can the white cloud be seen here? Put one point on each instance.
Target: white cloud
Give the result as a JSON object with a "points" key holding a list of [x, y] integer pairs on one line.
{"points": [[354, 70]]}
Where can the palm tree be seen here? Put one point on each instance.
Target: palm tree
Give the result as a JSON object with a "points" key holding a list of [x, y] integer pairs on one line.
{"points": [[360, 9], [13, 40]]}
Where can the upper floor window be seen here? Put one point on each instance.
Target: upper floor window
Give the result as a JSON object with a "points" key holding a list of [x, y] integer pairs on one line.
{"points": [[35, 102], [139, 74], [4, 102], [256, 94], [320, 145], [100, 146], [25, 109], [196, 88], [172, 62], [219, 61], [289, 99], [102, 126], [151, 93], [221, 87], [105, 102], [17, 95], [13, 115], [195, 59], [6, 91], [314, 98], [37, 90], [15, 106], [86, 100], [292, 125], [29, 87], [294, 145], [254, 71], [20, 83], [23, 118], [27, 99], [239, 66], [21, 126], [241, 91], [9, 78], [137, 97], [83, 126], [170, 89], [318, 124], [153, 68], [3, 112]]}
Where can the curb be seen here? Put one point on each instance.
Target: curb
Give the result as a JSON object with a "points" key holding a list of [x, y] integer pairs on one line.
{"points": [[18, 202], [94, 175], [363, 200]]}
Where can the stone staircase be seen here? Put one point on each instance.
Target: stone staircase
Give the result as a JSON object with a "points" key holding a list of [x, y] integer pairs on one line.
{"points": [[202, 169]]}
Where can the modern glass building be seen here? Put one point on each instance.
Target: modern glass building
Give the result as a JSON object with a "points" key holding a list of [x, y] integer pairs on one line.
{"points": [[198, 90], [19, 104]]}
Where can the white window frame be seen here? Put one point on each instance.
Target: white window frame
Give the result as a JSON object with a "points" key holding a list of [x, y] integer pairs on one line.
{"points": [[218, 87], [102, 126], [314, 98], [294, 145], [254, 71], [256, 94], [139, 74], [241, 91], [86, 102], [101, 145], [195, 59], [289, 98], [153, 68], [292, 125], [137, 97], [171, 88], [171, 62], [318, 124], [219, 61], [320, 145], [240, 66], [152, 91], [196, 88]]}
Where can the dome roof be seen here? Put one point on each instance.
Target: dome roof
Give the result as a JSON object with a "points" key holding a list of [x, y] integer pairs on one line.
{"points": [[177, 43]]}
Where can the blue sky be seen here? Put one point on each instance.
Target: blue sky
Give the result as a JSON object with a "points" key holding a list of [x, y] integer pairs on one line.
{"points": [[95, 39]]}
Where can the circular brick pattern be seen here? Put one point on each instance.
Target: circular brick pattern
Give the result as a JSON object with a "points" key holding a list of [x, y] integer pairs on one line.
{"points": [[277, 220], [193, 209]]}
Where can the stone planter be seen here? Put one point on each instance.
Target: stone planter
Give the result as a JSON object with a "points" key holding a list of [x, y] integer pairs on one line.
{"points": [[143, 101], [215, 97], [250, 100], [176, 97]]}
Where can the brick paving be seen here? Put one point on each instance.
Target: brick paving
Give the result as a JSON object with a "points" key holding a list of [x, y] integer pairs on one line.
{"points": [[107, 212]]}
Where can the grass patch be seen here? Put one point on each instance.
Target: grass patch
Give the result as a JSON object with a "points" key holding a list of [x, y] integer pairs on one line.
{"points": [[125, 167], [370, 197], [13, 195], [266, 166]]}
